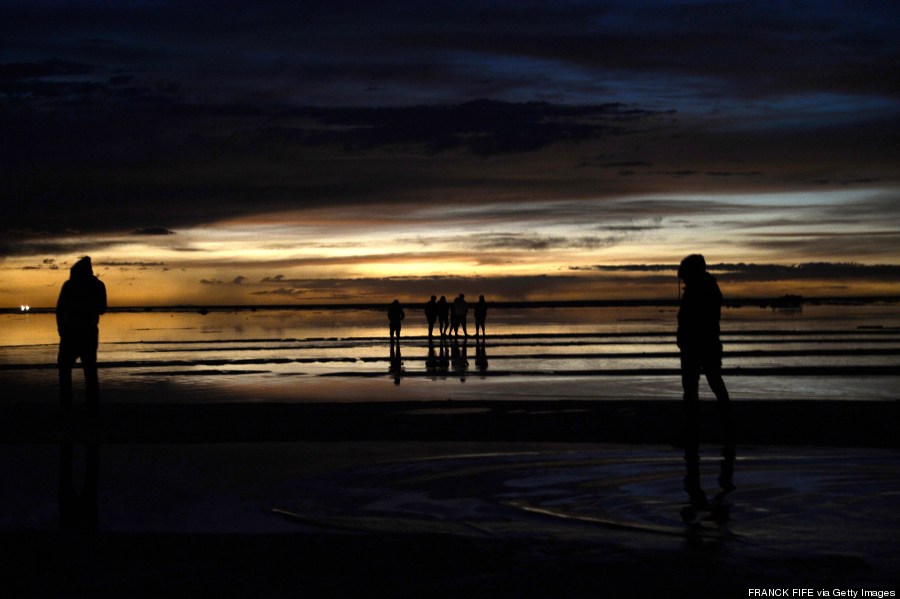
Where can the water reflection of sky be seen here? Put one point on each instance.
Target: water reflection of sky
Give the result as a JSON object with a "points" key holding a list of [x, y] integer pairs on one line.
{"points": [[540, 353]]}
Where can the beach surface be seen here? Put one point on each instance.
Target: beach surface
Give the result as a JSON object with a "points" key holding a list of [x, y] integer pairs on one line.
{"points": [[441, 499], [294, 453]]}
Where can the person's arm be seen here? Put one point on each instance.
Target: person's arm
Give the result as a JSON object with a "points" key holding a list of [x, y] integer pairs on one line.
{"points": [[101, 300], [62, 304]]}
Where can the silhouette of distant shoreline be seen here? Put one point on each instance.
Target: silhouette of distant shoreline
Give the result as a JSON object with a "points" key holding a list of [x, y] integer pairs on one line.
{"points": [[750, 302]]}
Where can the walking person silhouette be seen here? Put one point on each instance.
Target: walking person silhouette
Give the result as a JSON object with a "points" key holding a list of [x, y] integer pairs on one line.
{"points": [[699, 313], [459, 310], [82, 300], [395, 317], [443, 312], [480, 315], [431, 314]]}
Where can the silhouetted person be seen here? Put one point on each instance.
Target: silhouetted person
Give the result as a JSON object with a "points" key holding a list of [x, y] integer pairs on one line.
{"points": [[453, 328], [78, 511], [81, 302], [395, 317], [443, 312], [480, 312], [459, 310], [431, 314], [701, 352]]}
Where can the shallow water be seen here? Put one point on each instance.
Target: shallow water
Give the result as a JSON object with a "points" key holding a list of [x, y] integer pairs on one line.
{"points": [[821, 352]]}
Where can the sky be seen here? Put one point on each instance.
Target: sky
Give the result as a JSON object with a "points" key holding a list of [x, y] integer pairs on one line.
{"points": [[275, 152]]}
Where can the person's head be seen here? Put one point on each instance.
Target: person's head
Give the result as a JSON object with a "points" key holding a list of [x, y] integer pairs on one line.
{"points": [[396, 302], [443, 298], [691, 267], [462, 296], [81, 269], [481, 298], [433, 297]]}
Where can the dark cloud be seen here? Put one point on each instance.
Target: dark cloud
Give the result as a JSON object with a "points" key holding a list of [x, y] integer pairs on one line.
{"points": [[154, 231], [281, 53], [483, 127], [36, 244], [810, 271], [532, 243], [23, 71], [119, 264]]}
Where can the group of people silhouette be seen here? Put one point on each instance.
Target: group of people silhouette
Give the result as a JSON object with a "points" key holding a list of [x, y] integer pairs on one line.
{"points": [[449, 316], [82, 301]]}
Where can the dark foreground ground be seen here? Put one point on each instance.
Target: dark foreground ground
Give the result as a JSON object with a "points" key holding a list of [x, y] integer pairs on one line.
{"points": [[395, 565], [434, 499], [780, 422]]}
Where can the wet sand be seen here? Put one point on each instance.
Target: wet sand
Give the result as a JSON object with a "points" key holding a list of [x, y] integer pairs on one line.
{"points": [[776, 422], [447, 499]]}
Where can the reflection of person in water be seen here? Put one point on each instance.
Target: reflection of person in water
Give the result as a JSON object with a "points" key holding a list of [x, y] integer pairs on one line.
{"points": [[396, 363], [443, 360], [701, 352], [459, 359], [481, 361], [480, 312], [431, 314], [81, 302], [78, 511], [443, 312], [432, 364], [395, 316]]}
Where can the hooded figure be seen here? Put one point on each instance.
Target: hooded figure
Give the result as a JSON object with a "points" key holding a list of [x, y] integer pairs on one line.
{"points": [[700, 308], [395, 316], [701, 352], [81, 302], [431, 314]]}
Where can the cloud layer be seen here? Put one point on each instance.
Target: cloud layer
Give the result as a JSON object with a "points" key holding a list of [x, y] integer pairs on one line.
{"points": [[464, 137]]}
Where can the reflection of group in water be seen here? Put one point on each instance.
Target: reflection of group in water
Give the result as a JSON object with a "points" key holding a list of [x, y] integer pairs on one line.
{"points": [[452, 357]]}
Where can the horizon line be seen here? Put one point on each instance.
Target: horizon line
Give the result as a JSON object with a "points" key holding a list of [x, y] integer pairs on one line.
{"points": [[763, 302]]}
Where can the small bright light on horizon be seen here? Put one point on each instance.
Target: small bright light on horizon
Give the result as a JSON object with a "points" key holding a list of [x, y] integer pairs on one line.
{"points": [[26, 308]]}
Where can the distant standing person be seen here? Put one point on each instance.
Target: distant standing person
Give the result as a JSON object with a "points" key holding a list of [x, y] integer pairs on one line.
{"points": [[82, 300], [431, 314], [395, 316], [460, 311], [480, 312], [701, 351], [443, 312]]}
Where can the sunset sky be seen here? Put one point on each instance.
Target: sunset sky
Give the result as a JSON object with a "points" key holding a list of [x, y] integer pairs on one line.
{"points": [[275, 152]]}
